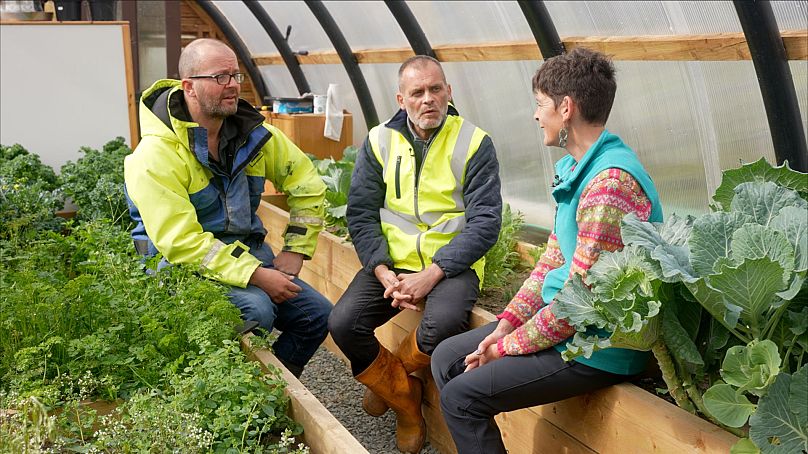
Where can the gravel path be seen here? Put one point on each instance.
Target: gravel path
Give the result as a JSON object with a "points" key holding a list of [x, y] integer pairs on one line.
{"points": [[330, 380]]}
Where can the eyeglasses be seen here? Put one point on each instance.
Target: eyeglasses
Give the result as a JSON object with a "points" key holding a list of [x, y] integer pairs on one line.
{"points": [[222, 79]]}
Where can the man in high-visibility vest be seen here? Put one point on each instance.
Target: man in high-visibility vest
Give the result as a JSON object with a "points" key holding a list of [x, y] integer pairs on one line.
{"points": [[194, 185], [423, 209]]}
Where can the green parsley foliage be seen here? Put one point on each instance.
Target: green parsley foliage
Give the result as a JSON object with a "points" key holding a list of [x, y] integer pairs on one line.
{"points": [[95, 183]]}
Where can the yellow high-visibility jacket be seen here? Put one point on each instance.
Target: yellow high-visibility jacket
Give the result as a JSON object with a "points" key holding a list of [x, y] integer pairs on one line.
{"points": [[196, 213], [446, 212]]}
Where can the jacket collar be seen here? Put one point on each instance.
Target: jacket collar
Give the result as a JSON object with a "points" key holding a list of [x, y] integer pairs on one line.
{"points": [[568, 171]]}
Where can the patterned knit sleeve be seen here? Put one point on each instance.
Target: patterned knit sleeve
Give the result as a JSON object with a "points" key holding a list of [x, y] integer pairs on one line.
{"points": [[527, 301], [604, 201]]}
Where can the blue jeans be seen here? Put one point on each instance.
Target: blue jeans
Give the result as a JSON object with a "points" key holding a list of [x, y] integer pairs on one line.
{"points": [[303, 320]]}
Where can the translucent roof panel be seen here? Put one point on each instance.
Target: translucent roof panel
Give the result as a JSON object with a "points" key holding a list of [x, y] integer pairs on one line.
{"points": [[686, 120], [620, 18], [792, 15], [307, 35], [799, 71], [471, 21], [247, 26], [367, 25], [497, 97]]}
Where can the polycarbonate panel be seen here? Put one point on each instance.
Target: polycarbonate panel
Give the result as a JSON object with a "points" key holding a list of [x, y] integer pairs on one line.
{"points": [[307, 35], [151, 36], [620, 18], [497, 97], [799, 71], [792, 15], [471, 21], [687, 121], [367, 25], [382, 80], [279, 81], [247, 26]]}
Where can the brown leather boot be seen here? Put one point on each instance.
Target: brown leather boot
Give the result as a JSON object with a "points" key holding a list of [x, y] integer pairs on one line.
{"points": [[412, 358], [387, 378]]}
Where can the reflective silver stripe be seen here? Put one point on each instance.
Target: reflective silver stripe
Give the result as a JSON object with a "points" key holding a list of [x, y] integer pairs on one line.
{"points": [[405, 216], [461, 150], [450, 226], [384, 137], [397, 220], [217, 245], [306, 220], [430, 217]]}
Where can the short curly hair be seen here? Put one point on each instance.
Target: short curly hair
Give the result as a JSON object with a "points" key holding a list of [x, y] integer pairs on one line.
{"points": [[584, 75]]}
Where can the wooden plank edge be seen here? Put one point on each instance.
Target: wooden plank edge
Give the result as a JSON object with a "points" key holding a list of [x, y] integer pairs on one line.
{"points": [[322, 432], [705, 47]]}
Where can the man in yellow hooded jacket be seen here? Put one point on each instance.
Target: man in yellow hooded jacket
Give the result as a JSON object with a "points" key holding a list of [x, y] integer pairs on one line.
{"points": [[194, 184]]}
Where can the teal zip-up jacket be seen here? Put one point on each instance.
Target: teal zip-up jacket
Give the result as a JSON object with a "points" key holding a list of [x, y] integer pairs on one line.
{"points": [[193, 212], [608, 152]]}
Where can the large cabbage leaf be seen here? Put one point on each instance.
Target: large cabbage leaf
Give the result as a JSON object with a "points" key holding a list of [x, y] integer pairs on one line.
{"points": [[712, 238], [780, 424], [793, 222], [753, 241], [752, 286], [759, 171], [666, 242], [763, 201]]}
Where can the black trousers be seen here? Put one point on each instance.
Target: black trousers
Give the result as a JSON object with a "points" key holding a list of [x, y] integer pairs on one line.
{"points": [[363, 308], [470, 400]]}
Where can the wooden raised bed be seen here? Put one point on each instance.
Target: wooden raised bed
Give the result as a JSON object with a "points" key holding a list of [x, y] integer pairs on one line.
{"points": [[622, 418], [321, 430]]}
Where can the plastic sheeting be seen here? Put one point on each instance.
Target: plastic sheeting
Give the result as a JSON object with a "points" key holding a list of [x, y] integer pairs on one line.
{"points": [[686, 120]]}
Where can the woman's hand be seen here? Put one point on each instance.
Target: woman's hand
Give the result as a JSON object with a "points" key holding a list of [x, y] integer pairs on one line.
{"points": [[487, 350]]}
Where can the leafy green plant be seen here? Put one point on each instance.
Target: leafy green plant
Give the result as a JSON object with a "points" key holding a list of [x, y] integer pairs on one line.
{"points": [[95, 183], [29, 194], [337, 178], [80, 319], [720, 299], [27, 207], [502, 260], [17, 165]]}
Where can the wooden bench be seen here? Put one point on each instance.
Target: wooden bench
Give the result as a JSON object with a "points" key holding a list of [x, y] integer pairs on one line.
{"points": [[620, 419]]}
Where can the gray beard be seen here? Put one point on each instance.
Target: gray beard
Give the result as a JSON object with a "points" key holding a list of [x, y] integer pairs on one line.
{"points": [[218, 111]]}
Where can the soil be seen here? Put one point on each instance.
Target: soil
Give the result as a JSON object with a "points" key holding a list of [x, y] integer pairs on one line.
{"points": [[494, 300]]}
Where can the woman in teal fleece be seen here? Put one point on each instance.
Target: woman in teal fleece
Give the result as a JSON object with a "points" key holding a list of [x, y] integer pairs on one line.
{"points": [[516, 362]]}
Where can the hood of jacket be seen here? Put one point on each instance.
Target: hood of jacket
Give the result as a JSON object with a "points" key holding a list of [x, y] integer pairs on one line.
{"points": [[163, 113]]}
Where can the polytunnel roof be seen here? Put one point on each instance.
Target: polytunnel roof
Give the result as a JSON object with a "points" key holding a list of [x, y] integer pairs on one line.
{"points": [[683, 117]]}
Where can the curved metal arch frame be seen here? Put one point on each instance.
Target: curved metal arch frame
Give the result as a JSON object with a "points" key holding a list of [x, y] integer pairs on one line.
{"points": [[281, 44], [345, 53], [409, 25], [775, 81], [238, 47], [543, 28]]}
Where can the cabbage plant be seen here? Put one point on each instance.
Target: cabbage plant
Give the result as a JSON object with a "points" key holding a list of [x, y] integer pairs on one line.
{"points": [[722, 301]]}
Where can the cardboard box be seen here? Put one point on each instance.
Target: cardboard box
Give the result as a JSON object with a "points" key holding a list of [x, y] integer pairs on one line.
{"points": [[306, 131]]}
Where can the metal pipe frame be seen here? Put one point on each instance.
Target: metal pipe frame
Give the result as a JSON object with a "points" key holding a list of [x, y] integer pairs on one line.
{"points": [[775, 80], [281, 44], [543, 28], [238, 47], [409, 25], [345, 53]]}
